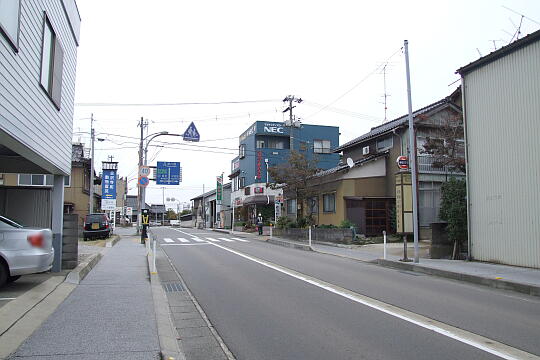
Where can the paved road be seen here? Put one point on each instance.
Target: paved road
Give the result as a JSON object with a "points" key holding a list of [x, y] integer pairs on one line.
{"points": [[269, 302]]}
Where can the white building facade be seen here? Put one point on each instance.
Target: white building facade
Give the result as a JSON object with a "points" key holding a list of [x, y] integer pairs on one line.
{"points": [[38, 56]]}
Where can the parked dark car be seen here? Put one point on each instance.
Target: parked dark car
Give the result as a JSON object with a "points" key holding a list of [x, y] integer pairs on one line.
{"points": [[96, 226]]}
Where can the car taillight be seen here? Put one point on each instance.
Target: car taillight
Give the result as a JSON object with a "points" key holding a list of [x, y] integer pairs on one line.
{"points": [[106, 226], [36, 240]]}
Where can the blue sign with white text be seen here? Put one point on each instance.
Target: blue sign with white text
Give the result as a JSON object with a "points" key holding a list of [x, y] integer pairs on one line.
{"points": [[191, 133], [108, 184], [168, 173]]}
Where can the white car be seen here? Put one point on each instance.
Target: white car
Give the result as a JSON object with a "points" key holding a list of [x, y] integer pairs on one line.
{"points": [[23, 250]]}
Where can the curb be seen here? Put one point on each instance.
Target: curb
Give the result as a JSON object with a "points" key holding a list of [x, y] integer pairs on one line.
{"points": [[224, 231], [475, 279], [76, 275], [168, 342], [290, 244], [113, 241]]}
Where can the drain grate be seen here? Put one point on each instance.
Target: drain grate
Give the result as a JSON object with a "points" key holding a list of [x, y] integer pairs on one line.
{"points": [[173, 287]]}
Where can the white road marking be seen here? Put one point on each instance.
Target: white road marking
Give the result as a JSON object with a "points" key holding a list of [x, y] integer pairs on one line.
{"points": [[212, 239], [183, 240], [480, 342], [190, 244], [7, 299], [238, 239], [197, 239], [225, 239], [168, 240]]}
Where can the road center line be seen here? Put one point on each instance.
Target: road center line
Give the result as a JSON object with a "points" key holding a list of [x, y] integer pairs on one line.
{"points": [[480, 342]]}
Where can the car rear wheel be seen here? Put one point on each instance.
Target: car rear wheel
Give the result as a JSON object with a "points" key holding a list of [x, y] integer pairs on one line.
{"points": [[3, 274], [13, 278]]}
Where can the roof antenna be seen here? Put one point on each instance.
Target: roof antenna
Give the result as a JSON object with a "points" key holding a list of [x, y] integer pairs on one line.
{"points": [[386, 95]]}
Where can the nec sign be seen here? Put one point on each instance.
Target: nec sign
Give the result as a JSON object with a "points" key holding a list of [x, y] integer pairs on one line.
{"points": [[273, 129]]}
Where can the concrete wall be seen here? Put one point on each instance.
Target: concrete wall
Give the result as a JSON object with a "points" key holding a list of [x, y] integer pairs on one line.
{"points": [[70, 242], [341, 236]]}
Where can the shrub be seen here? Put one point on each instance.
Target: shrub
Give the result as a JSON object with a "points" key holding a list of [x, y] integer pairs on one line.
{"points": [[327, 226], [346, 224], [284, 222], [454, 211]]}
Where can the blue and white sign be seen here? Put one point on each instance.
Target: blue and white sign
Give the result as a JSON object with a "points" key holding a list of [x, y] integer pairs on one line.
{"points": [[191, 133], [108, 190], [108, 184], [168, 173]]}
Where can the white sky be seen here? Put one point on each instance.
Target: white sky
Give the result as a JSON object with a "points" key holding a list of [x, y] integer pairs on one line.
{"points": [[173, 51]]}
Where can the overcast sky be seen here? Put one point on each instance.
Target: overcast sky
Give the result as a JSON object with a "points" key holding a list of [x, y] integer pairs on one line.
{"points": [[329, 53]]}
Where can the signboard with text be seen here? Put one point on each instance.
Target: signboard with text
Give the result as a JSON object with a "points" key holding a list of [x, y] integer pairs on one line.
{"points": [[168, 173], [108, 190], [219, 189]]}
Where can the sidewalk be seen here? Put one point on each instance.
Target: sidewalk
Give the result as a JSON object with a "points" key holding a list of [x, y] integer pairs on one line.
{"points": [[524, 280], [109, 315]]}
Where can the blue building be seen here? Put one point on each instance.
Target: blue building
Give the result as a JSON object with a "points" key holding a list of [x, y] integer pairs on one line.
{"points": [[266, 144]]}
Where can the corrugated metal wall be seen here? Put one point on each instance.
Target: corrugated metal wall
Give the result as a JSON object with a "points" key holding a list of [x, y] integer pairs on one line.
{"points": [[27, 206], [502, 105]]}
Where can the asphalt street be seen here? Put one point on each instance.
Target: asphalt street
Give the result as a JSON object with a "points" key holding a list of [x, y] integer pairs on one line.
{"points": [[270, 302]]}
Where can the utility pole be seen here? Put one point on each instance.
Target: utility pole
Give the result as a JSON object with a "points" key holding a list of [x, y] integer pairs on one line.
{"points": [[92, 136], [140, 204], [412, 155], [291, 99]]}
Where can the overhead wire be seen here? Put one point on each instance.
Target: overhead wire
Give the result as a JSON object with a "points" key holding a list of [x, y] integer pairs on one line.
{"points": [[175, 104], [355, 86]]}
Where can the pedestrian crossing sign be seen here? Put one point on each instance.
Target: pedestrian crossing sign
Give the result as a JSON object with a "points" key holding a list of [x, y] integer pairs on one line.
{"points": [[191, 133]]}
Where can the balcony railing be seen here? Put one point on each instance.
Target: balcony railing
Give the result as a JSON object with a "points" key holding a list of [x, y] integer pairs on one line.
{"points": [[425, 165]]}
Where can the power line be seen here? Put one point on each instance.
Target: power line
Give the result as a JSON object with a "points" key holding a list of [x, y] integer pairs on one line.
{"points": [[354, 87], [174, 104]]}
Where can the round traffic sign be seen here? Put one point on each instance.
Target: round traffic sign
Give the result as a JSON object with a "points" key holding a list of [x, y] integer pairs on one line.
{"points": [[143, 181], [144, 170], [402, 162]]}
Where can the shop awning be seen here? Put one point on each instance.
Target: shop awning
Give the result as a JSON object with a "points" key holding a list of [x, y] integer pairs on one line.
{"points": [[259, 199]]}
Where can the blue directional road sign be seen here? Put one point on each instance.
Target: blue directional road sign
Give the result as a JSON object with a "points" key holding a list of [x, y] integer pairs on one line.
{"points": [[168, 173], [191, 133]]}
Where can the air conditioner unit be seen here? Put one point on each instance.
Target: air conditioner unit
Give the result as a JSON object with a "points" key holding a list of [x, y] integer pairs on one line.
{"points": [[365, 150]]}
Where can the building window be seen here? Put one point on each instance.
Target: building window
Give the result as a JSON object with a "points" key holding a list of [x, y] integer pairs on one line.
{"points": [[291, 206], [321, 146], [36, 180], [329, 202], [67, 181], [242, 182], [274, 143], [260, 144], [313, 205], [242, 151], [9, 21], [384, 144], [247, 191], [52, 63]]}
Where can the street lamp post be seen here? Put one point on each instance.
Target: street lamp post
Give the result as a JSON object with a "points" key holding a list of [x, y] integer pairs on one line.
{"points": [[148, 139]]}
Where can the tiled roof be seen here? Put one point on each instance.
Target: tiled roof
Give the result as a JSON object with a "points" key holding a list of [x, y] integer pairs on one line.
{"points": [[381, 129]]}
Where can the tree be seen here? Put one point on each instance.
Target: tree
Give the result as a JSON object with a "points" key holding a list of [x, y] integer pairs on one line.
{"points": [[454, 212], [170, 214], [446, 147], [294, 176]]}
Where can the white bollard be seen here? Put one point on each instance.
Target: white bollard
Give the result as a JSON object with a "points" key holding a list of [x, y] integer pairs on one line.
{"points": [[154, 258], [309, 235], [384, 247]]}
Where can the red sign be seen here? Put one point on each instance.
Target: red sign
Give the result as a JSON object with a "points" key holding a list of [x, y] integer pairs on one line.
{"points": [[259, 164], [403, 162], [258, 190]]}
